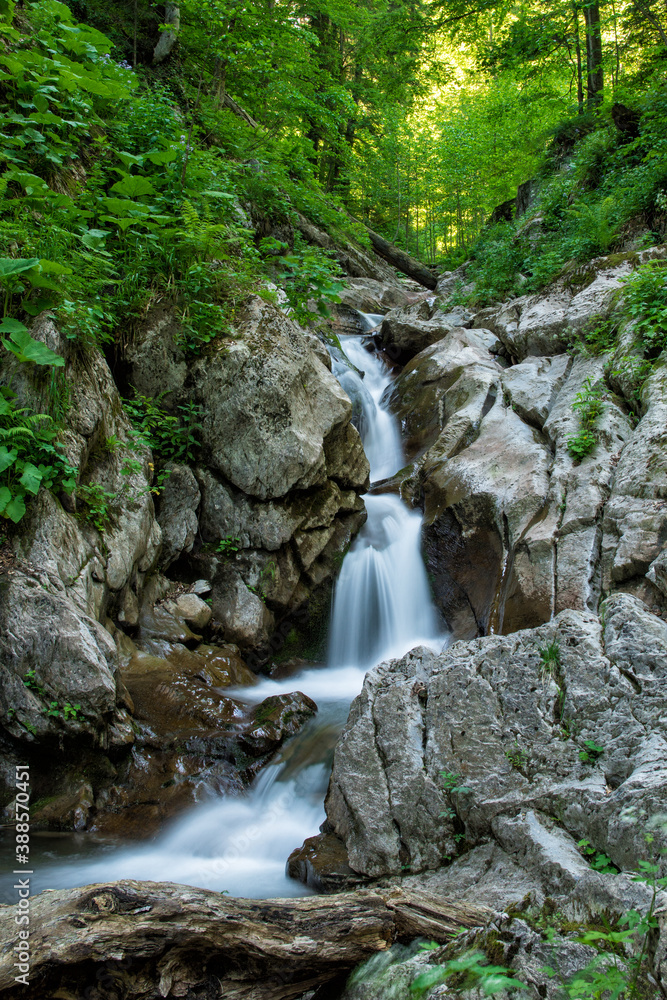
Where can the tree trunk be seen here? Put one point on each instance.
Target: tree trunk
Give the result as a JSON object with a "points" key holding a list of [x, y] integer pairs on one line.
{"points": [[148, 940], [594, 78], [402, 261], [168, 38], [580, 74]]}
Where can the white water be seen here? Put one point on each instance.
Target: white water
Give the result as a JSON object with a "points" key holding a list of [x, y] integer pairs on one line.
{"points": [[382, 608]]}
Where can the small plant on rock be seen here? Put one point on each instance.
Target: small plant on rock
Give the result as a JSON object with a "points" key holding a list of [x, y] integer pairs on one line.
{"points": [[589, 405], [228, 546], [550, 656], [591, 753]]}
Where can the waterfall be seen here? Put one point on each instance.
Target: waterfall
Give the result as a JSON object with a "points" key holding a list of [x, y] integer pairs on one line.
{"points": [[382, 608]]}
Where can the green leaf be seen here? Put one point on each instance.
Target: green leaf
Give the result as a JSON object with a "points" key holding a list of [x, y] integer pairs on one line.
{"points": [[53, 267], [26, 348], [9, 325], [94, 238], [162, 156], [15, 509], [9, 266], [31, 479], [7, 457], [5, 497], [133, 187], [129, 159], [29, 182]]}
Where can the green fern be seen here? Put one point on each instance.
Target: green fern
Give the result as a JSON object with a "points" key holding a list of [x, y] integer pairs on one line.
{"points": [[594, 222]]}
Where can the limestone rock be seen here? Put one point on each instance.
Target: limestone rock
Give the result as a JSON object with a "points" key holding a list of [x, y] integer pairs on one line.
{"points": [[244, 617], [192, 609], [369, 295], [513, 525], [408, 330], [177, 514], [270, 406], [515, 729], [52, 657], [542, 324]]}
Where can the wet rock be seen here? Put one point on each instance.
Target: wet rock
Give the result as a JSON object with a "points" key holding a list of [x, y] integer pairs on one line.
{"points": [[411, 329], [52, 658], [193, 742], [321, 863], [192, 609], [547, 751], [177, 516], [274, 720], [513, 524], [69, 811]]}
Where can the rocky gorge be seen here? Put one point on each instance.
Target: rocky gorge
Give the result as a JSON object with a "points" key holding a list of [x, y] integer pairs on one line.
{"points": [[467, 777]]}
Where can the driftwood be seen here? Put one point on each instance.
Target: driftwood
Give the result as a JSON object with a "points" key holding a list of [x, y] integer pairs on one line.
{"points": [[150, 940], [401, 260]]}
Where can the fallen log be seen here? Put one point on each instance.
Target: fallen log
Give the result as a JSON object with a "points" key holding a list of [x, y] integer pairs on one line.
{"points": [[399, 259], [150, 940]]}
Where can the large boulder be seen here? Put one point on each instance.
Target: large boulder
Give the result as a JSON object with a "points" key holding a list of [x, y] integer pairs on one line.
{"points": [[57, 665], [513, 522], [544, 323], [533, 741], [270, 407], [102, 572]]}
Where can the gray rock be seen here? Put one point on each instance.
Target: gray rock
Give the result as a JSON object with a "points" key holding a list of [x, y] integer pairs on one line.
{"points": [[177, 515], [50, 652], [192, 609], [513, 730], [245, 618], [408, 330], [543, 323], [271, 408]]}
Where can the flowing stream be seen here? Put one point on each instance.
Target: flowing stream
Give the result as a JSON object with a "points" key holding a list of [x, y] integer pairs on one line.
{"points": [[382, 608]]}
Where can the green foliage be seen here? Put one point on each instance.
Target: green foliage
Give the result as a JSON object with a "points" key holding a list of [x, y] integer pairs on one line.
{"points": [[589, 405], [228, 547], [598, 860], [595, 229], [550, 656], [645, 303], [591, 753], [309, 276], [472, 971], [451, 784], [173, 437], [518, 757], [30, 457]]}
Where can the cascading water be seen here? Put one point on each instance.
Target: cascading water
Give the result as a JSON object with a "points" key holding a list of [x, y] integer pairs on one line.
{"points": [[382, 608]]}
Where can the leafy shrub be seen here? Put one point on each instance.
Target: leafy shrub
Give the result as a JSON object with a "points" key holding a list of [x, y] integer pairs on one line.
{"points": [[645, 302], [30, 457], [589, 405], [595, 226], [172, 437]]}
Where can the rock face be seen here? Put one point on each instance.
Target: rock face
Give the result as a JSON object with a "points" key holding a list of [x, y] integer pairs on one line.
{"points": [[516, 528], [69, 576], [544, 738], [275, 496]]}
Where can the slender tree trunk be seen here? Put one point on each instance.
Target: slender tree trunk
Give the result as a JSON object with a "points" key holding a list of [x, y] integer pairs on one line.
{"points": [[168, 38], [580, 75], [398, 187], [594, 78]]}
